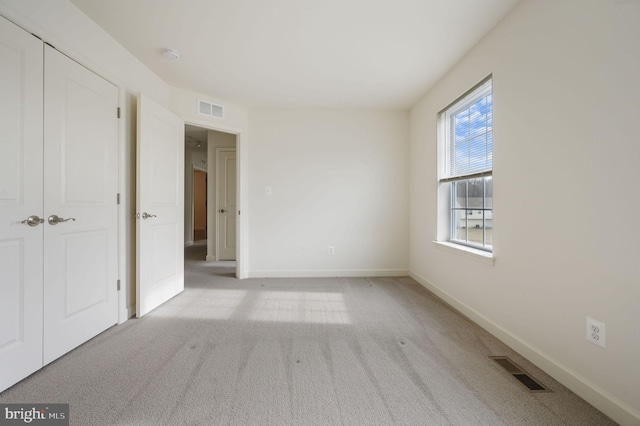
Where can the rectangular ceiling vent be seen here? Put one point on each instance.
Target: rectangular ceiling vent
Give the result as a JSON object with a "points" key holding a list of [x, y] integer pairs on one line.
{"points": [[210, 109], [519, 374]]}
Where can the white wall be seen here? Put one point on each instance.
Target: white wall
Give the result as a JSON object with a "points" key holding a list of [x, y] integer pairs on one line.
{"points": [[184, 103], [338, 177], [566, 108], [61, 24]]}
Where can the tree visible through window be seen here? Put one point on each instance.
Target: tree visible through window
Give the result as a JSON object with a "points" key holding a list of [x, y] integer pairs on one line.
{"points": [[467, 170]]}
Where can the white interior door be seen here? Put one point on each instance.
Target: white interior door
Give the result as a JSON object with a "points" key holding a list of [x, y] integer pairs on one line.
{"points": [[160, 206], [20, 198], [226, 201], [80, 188]]}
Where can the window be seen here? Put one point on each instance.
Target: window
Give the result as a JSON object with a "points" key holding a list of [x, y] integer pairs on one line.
{"points": [[466, 170]]}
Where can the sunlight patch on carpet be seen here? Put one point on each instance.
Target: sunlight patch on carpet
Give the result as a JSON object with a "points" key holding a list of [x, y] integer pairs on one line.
{"points": [[300, 307]]}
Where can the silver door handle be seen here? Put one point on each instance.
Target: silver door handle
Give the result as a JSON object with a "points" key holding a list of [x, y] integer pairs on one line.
{"points": [[33, 220], [146, 215], [55, 219]]}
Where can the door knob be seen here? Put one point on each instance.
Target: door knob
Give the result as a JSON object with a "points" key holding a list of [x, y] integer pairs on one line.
{"points": [[222, 211], [33, 220], [146, 215], [55, 219]]}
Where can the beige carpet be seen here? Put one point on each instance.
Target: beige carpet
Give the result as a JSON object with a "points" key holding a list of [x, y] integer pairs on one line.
{"points": [[339, 351]]}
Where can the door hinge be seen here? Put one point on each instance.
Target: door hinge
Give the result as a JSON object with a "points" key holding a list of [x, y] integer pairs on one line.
{"points": [[118, 112], [118, 285], [118, 198]]}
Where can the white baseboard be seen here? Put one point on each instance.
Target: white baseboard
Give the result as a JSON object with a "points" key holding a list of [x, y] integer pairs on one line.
{"points": [[188, 243], [129, 312], [617, 410], [324, 273], [211, 258]]}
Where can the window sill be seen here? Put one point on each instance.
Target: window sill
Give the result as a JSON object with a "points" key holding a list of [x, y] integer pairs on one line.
{"points": [[475, 254]]}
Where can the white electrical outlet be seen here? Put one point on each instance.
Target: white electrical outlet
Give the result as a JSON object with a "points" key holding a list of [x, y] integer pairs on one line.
{"points": [[596, 332], [332, 250], [268, 190]]}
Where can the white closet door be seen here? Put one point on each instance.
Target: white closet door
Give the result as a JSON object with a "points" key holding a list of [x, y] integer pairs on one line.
{"points": [[160, 206], [226, 201], [20, 198], [80, 187]]}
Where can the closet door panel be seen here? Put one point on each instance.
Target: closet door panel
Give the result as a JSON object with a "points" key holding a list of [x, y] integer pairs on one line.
{"points": [[81, 171], [20, 198]]}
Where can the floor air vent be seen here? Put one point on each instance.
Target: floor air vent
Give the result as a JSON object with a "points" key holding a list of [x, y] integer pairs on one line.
{"points": [[519, 374]]}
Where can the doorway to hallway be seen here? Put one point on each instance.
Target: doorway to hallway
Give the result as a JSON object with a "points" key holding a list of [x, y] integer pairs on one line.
{"points": [[211, 193]]}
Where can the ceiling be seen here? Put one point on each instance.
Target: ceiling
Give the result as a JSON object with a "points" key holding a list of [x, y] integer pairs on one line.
{"points": [[195, 137], [379, 54]]}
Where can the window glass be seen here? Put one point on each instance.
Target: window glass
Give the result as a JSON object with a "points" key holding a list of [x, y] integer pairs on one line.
{"points": [[468, 169]]}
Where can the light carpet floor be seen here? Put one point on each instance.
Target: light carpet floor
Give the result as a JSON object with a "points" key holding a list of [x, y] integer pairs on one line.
{"points": [[323, 351]]}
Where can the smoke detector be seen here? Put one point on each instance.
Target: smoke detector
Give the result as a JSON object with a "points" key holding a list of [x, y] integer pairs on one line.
{"points": [[170, 53]]}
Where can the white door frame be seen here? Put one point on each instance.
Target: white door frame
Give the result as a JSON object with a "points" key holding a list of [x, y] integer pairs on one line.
{"points": [[242, 246], [126, 209]]}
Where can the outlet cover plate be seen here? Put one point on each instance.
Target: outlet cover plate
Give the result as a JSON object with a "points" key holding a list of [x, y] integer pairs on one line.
{"points": [[596, 332]]}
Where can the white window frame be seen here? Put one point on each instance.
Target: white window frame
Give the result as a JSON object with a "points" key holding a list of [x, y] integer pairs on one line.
{"points": [[447, 177]]}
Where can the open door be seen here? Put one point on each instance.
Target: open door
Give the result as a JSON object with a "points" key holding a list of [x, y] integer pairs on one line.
{"points": [[160, 211]]}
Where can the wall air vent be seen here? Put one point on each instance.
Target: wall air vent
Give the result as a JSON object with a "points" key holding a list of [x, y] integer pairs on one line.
{"points": [[209, 109]]}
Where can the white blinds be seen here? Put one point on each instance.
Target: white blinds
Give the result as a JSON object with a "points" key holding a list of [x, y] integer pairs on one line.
{"points": [[467, 126]]}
